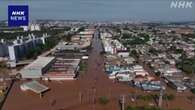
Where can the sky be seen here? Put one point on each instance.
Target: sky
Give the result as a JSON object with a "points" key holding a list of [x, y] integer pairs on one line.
{"points": [[103, 10]]}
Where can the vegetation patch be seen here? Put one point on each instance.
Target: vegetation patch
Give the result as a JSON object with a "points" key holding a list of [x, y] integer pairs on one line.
{"points": [[103, 100], [142, 108], [193, 91], [187, 65], [128, 39]]}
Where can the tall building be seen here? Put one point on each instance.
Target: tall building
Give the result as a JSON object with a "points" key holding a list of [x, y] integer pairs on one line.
{"points": [[3, 49], [17, 49]]}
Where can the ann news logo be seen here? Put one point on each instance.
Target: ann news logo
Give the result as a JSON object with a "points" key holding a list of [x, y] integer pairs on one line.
{"points": [[181, 4], [18, 15]]}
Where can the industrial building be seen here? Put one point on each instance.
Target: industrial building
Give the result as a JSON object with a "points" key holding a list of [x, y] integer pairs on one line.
{"points": [[63, 69], [67, 46], [51, 68], [34, 86], [37, 68]]}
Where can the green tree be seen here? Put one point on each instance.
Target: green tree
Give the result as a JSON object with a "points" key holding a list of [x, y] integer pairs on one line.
{"points": [[103, 100]]}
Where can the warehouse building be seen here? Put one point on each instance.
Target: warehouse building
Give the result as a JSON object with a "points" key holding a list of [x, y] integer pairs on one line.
{"points": [[34, 86], [37, 68], [63, 69]]}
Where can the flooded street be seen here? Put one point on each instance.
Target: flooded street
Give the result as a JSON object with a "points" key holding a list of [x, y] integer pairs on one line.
{"points": [[95, 83]]}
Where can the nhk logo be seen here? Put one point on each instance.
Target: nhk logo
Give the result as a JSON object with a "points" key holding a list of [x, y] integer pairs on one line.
{"points": [[18, 15], [181, 4]]}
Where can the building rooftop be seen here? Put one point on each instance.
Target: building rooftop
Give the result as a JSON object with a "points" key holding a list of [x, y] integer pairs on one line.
{"points": [[34, 86], [39, 63]]}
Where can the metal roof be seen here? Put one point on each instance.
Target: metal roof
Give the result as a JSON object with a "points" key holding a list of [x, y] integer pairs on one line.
{"points": [[39, 63], [35, 87]]}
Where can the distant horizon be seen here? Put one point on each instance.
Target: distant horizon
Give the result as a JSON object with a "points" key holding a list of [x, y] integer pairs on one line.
{"points": [[107, 21]]}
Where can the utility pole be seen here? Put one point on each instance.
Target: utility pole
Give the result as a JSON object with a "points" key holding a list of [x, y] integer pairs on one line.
{"points": [[182, 59], [122, 100], [94, 98], [160, 98], [193, 67], [161, 92], [80, 97]]}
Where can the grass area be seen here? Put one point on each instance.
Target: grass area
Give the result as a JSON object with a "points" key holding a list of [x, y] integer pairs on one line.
{"points": [[187, 65], [3, 69], [3, 64], [50, 43], [128, 39], [83, 66], [193, 91]]}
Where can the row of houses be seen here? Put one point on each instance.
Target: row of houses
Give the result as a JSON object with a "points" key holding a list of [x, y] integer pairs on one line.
{"points": [[125, 70], [163, 51], [122, 67]]}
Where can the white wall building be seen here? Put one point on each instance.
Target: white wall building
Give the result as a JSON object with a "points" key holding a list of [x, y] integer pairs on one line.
{"points": [[3, 49], [25, 28], [139, 70], [110, 45], [20, 47], [37, 68], [35, 27]]}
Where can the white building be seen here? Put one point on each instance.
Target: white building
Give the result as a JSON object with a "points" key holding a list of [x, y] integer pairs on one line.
{"points": [[35, 27], [139, 70], [125, 76], [108, 47], [32, 27], [20, 47], [112, 46], [123, 54], [105, 35], [25, 28], [37, 68], [3, 49]]}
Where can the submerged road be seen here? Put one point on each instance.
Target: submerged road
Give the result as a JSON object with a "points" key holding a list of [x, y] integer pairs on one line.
{"points": [[95, 83]]}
